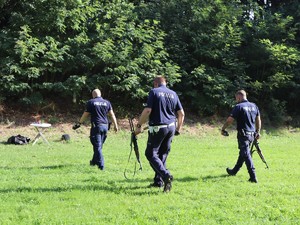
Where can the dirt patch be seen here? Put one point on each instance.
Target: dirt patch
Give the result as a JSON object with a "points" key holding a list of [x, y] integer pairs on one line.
{"points": [[14, 122]]}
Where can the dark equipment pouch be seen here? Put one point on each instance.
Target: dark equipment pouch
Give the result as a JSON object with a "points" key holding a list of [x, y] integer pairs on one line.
{"points": [[18, 140], [65, 137]]}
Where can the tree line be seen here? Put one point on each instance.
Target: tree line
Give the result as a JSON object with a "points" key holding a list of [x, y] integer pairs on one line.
{"points": [[207, 50]]}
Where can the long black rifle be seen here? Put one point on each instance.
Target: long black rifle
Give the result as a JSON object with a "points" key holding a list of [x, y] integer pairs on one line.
{"points": [[133, 146], [257, 148]]}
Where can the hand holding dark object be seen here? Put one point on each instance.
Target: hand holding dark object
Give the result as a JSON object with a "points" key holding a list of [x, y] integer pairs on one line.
{"points": [[224, 133], [257, 135], [76, 126], [177, 133]]}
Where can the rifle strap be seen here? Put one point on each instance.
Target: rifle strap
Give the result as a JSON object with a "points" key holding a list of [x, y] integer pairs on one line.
{"points": [[128, 162]]}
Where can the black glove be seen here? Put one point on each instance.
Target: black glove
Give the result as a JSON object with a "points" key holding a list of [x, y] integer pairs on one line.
{"points": [[224, 133], [76, 126], [177, 133]]}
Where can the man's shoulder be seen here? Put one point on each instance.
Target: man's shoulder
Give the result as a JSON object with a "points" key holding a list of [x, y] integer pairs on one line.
{"points": [[243, 103], [105, 100], [162, 89], [90, 101], [98, 100], [248, 103], [245, 106]]}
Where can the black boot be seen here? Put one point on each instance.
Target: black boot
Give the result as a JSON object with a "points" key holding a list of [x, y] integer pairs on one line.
{"points": [[230, 171], [253, 180]]}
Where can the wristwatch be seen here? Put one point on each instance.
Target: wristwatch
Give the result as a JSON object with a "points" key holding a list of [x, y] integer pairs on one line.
{"points": [[138, 125]]}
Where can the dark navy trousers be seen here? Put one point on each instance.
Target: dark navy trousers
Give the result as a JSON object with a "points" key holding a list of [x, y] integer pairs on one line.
{"points": [[157, 151], [244, 143], [98, 136]]}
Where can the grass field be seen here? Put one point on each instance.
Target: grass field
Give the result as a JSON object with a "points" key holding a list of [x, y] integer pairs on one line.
{"points": [[56, 185]]}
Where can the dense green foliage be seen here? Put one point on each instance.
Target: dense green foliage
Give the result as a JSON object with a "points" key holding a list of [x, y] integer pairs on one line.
{"points": [[206, 49], [56, 185], [69, 46], [221, 46]]}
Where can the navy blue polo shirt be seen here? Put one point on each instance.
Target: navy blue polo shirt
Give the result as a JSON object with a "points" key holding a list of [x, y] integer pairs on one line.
{"points": [[98, 108], [164, 104], [245, 114]]}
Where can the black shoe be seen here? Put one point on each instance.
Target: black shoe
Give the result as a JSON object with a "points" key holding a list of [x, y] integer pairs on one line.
{"points": [[230, 172], [168, 184], [92, 163], [159, 185], [253, 180]]}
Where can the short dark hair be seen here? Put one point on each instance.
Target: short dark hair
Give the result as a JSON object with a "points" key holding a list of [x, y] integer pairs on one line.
{"points": [[160, 79]]}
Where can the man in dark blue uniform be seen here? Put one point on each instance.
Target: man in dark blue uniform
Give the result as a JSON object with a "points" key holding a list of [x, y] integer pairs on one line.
{"points": [[98, 109], [162, 107], [248, 120]]}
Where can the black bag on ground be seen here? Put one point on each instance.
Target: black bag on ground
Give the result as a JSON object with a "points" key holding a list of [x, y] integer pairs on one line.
{"points": [[18, 140], [65, 137]]}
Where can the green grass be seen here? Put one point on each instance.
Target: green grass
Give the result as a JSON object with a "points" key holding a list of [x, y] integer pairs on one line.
{"points": [[56, 185]]}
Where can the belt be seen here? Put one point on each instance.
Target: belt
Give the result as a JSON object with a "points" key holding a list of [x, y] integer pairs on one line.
{"points": [[164, 125], [244, 133], [154, 129], [100, 124]]}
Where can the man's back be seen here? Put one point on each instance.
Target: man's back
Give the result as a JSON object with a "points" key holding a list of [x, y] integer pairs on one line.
{"points": [[98, 108], [245, 114], [164, 104]]}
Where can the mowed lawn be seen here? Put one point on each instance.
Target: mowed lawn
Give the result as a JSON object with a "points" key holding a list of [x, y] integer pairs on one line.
{"points": [[56, 184]]}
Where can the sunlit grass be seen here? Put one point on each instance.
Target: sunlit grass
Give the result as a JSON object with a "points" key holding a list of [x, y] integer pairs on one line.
{"points": [[56, 185]]}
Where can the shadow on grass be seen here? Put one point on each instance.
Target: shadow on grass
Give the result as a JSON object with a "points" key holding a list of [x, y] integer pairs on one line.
{"points": [[134, 187], [214, 178], [180, 179], [187, 179], [50, 167], [116, 189], [53, 167]]}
